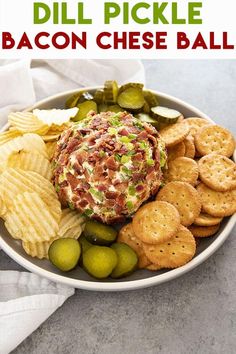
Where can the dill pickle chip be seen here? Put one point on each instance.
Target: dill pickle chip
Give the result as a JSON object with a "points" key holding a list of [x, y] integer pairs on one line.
{"points": [[165, 115], [150, 98], [115, 108], [72, 101], [131, 98], [110, 91], [64, 253], [99, 96], [147, 119], [127, 260], [102, 107], [85, 245], [129, 85], [84, 109], [146, 107], [99, 261], [98, 233]]}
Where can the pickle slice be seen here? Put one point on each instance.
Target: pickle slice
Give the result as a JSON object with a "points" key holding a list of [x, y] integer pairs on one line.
{"points": [[115, 108], [150, 98], [165, 115], [129, 85], [99, 261], [99, 96], [72, 101], [127, 260], [102, 107], [131, 98], [111, 91], [84, 109], [147, 119], [64, 253], [99, 234], [146, 107]]}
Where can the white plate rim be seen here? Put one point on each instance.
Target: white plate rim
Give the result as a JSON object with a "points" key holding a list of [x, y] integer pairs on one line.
{"points": [[131, 284]]}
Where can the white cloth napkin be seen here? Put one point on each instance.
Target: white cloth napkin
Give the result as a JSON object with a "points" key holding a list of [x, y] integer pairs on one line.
{"points": [[26, 300]]}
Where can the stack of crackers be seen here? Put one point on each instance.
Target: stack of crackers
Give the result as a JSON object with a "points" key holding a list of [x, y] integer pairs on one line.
{"points": [[199, 191]]}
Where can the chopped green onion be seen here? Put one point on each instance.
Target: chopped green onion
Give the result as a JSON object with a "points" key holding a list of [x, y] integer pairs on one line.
{"points": [[88, 212], [124, 139], [130, 205], [132, 136], [71, 205], [125, 159], [57, 187], [132, 190], [150, 162], [112, 131]]}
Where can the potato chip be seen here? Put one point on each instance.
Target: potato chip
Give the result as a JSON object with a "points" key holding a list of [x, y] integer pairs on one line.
{"points": [[71, 224], [16, 181], [51, 136], [37, 249], [51, 147], [30, 161], [3, 208], [27, 142], [27, 122], [56, 117], [30, 219], [9, 135]]}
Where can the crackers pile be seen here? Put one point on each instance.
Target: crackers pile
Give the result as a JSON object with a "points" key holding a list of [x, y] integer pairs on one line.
{"points": [[199, 183]]}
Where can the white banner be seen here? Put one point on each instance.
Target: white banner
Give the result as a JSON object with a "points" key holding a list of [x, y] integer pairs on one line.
{"points": [[100, 29]]}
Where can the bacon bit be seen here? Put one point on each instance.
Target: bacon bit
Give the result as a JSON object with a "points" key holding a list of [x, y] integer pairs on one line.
{"points": [[111, 174], [138, 157], [111, 195], [153, 139], [83, 203], [110, 203], [151, 176], [78, 168], [122, 187], [89, 198], [72, 180], [124, 132], [81, 156], [137, 177], [139, 188], [102, 188], [73, 144], [111, 163], [63, 184], [86, 174], [143, 135], [85, 186], [62, 195]]}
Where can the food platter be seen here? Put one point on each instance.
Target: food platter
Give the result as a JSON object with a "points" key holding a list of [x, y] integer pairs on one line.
{"points": [[141, 278]]}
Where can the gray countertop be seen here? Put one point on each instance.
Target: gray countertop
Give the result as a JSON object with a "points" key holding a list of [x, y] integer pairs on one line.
{"points": [[193, 314]]}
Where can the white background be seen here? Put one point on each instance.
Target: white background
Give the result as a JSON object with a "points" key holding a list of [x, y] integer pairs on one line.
{"points": [[218, 16]]}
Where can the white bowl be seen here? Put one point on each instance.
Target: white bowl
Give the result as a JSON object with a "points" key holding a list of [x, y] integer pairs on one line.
{"points": [[78, 278]]}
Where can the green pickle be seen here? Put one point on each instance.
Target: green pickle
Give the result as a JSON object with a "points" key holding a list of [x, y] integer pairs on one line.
{"points": [[114, 108], [64, 253], [85, 245], [131, 98], [99, 96], [127, 260], [84, 109], [72, 101], [165, 115], [145, 118], [99, 261], [110, 91], [99, 234], [129, 85], [150, 98]]}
